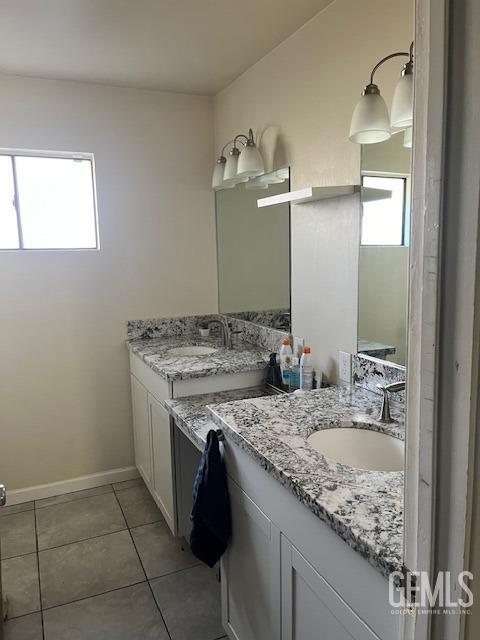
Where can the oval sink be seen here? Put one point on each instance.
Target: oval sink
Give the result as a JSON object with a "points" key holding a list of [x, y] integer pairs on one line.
{"points": [[193, 350], [360, 448]]}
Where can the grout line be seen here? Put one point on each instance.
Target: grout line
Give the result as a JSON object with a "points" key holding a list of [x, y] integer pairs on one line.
{"points": [[38, 570], [20, 555], [94, 595], [172, 573], [145, 573], [66, 544], [61, 502]]}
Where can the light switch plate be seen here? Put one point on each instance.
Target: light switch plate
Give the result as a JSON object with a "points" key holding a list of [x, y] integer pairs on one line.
{"points": [[345, 366]]}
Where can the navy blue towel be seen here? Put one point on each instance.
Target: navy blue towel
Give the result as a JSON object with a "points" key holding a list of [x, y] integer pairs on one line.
{"points": [[211, 505]]}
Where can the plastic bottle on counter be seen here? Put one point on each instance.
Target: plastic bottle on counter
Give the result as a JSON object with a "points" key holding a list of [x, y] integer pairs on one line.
{"points": [[286, 363], [306, 370], [295, 374]]}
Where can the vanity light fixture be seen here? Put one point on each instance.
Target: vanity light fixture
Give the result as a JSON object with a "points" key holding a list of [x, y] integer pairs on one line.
{"points": [[250, 162], [370, 121], [240, 165]]}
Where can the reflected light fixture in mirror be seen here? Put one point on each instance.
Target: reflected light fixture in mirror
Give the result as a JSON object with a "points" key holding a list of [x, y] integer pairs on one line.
{"points": [[370, 121], [240, 166]]}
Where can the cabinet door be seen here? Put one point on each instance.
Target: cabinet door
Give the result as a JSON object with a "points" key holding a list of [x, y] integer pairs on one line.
{"points": [[141, 431], [251, 573], [162, 460], [311, 609]]}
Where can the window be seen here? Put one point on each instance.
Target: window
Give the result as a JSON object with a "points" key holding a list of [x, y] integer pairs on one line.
{"points": [[384, 221], [47, 201]]}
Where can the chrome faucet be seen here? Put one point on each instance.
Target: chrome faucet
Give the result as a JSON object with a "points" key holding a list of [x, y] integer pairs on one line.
{"points": [[226, 330], [276, 318], [387, 389]]}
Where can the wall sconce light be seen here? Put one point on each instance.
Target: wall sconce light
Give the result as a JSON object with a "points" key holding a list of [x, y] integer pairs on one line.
{"points": [[370, 120], [241, 165]]}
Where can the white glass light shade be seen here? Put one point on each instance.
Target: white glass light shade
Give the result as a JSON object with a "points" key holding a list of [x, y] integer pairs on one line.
{"points": [[217, 178], [402, 103], [407, 138], [370, 121], [230, 175], [250, 162]]}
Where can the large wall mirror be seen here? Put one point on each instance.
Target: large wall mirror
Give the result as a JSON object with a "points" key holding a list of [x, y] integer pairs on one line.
{"points": [[253, 248], [383, 263]]}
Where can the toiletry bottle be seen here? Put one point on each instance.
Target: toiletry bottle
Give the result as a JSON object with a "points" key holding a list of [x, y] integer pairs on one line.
{"points": [[306, 370], [295, 374], [286, 363], [274, 377]]}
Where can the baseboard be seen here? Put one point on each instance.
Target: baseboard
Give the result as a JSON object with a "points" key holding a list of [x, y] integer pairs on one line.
{"points": [[73, 484]]}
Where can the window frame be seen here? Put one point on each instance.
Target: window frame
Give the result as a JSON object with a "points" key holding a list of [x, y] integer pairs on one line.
{"points": [[66, 155], [385, 174]]}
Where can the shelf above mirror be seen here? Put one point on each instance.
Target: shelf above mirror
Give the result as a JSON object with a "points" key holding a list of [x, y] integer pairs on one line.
{"points": [[312, 194]]}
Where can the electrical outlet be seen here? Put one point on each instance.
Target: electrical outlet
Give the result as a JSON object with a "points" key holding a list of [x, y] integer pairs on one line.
{"points": [[345, 366]]}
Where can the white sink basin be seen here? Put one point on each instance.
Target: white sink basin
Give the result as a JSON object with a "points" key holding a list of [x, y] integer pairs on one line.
{"points": [[193, 350], [360, 448]]}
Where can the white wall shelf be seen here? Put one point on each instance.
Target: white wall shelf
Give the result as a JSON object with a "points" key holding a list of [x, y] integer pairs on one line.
{"points": [[312, 194]]}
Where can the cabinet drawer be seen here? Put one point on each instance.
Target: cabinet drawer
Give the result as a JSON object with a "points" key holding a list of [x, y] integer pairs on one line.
{"points": [[157, 386]]}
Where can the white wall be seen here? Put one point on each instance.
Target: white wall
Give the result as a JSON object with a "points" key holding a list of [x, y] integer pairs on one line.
{"points": [[382, 297], [64, 392], [300, 97]]}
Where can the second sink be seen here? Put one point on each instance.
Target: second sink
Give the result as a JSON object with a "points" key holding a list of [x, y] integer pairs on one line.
{"points": [[360, 448], [192, 350]]}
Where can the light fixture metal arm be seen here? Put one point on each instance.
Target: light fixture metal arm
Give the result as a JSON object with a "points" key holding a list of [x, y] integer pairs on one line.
{"points": [[232, 142], [389, 57]]}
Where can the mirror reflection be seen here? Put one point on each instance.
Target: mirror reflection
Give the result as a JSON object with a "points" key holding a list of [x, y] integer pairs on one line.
{"points": [[383, 261], [253, 248]]}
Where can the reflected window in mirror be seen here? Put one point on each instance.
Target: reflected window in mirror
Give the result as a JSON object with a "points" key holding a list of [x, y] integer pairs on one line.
{"points": [[384, 221], [253, 251], [383, 258]]}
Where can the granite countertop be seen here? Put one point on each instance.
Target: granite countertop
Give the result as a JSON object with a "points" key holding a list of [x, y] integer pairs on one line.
{"points": [[365, 508], [192, 416], [154, 352]]}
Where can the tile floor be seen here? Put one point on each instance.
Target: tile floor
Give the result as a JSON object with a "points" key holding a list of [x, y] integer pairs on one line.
{"points": [[101, 564]]}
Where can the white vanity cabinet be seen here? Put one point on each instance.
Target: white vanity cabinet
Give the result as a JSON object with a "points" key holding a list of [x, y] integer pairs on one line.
{"points": [[153, 429], [287, 575], [311, 609], [162, 485], [141, 430], [251, 588]]}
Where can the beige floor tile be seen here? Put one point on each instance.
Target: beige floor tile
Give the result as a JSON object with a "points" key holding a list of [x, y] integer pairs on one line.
{"points": [[126, 614], [78, 520], [160, 552], [190, 603], [88, 568], [138, 506], [20, 585], [17, 534]]}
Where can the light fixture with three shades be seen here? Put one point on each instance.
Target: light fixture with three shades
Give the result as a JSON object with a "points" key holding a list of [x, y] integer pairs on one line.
{"points": [[241, 165]]}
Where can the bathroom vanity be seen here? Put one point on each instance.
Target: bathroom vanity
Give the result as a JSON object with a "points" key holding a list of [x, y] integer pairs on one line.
{"points": [[167, 360], [313, 541]]}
